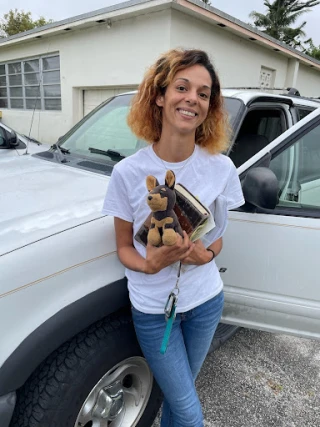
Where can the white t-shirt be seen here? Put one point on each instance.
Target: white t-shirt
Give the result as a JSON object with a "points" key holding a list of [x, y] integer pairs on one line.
{"points": [[204, 175]]}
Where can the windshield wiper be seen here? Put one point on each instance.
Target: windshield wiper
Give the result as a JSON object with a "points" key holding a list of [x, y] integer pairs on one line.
{"points": [[109, 153], [62, 152], [29, 138]]}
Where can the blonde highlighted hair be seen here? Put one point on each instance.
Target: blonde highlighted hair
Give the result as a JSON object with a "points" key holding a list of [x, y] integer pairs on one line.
{"points": [[145, 116]]}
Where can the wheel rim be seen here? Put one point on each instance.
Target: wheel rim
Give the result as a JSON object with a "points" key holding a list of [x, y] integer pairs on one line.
{"points": [[120, 397]]}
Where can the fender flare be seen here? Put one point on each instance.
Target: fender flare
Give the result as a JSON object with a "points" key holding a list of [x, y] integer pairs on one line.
{"points": [[58, 329]]}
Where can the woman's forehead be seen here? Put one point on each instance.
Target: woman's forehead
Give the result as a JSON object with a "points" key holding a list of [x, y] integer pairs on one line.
{"points": [[195, 74]]}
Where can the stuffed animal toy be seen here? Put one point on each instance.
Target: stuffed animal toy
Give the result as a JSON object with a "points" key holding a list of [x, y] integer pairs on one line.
{"points": [[161, 200]]}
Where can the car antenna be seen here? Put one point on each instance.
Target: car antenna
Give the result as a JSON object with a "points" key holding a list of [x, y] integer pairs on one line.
{"points": [[35, 103]]}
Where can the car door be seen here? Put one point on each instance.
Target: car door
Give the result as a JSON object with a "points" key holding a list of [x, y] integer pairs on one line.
{"points": [[270, 261]]}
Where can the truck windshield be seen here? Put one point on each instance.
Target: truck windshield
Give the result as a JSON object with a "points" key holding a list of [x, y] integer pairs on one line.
{"points": [[105, 128]]}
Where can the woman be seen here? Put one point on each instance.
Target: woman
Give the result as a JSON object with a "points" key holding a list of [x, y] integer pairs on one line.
{"points": [[179, 110]]}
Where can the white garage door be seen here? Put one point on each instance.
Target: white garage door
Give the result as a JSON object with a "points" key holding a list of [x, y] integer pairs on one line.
{"points": [[93, 97]]}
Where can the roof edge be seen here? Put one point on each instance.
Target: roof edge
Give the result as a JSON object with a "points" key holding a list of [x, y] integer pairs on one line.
{"points": [[250, 28], [77, 18]]}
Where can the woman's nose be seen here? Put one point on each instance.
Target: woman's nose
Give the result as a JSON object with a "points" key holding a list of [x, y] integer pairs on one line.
{"points": [[191, 97]]}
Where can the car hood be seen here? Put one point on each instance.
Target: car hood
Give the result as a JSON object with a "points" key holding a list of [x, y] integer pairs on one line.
{"points": [[40, 198], [33, 148]]}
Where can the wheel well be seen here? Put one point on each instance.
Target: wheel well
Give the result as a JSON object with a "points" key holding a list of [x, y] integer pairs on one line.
{"points": [[56, 330]]}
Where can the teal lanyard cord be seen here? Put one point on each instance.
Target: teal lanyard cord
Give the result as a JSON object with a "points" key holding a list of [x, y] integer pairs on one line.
{"points": [[170, 314], [167, 331]]}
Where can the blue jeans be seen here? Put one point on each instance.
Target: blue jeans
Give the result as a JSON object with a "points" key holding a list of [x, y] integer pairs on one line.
{"points": [[176, 370]]}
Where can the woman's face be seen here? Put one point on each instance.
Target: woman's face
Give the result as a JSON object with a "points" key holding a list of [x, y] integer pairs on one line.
{"points": [[186, 102]]}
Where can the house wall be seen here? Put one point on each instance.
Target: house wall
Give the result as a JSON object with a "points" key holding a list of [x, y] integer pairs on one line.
{"points": [[308, 81], [94, 57], [238, 61]]}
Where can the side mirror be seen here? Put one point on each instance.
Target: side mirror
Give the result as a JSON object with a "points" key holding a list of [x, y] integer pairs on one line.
{"points": [[12, 139], [261, 188]]}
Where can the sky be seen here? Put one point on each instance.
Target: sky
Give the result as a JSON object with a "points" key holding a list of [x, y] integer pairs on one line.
{"points": [[61, 9]]}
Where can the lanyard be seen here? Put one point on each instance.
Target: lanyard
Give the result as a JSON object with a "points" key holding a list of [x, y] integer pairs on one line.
{"points": [[170, 313]]}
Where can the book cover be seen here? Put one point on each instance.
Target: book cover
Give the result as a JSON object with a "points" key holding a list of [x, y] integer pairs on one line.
{"points": [[193, 216]]}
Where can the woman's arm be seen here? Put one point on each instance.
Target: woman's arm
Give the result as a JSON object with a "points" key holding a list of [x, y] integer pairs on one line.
{"points": [[156, 258], [200, 255]]}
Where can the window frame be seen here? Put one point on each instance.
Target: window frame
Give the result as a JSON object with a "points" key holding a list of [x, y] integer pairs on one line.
{"points": [[304, 212], [41, 85]]}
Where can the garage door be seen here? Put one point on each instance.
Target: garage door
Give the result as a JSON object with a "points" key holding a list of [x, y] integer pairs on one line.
{"points": [[93, 97]]}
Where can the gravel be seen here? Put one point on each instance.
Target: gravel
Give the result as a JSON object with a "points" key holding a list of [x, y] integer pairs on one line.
{"points": [[258, 379]]}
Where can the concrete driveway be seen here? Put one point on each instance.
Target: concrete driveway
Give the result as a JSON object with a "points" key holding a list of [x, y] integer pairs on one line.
{"points": [[258, 379]]}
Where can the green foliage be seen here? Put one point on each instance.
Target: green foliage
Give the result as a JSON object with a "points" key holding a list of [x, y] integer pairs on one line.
{"points": [[15, 22], [280, 17], [312, 50]]}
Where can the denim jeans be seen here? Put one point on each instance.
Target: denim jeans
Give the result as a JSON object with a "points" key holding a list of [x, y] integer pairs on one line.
{"points": [[176, 370]]}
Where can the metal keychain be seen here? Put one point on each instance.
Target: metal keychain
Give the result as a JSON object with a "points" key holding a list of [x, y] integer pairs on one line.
{"points": [[170, 313]]}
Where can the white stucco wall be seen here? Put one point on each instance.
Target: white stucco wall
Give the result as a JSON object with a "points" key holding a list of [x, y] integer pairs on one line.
{"points": [[238, 61], [308, 81], [95, 57]]}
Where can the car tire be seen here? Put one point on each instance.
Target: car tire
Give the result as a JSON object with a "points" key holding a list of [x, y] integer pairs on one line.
{"points": [[99, 377]]}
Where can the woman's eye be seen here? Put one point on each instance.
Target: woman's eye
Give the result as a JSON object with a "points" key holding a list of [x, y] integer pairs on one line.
{"points": [[204, 95], [181, 88]]}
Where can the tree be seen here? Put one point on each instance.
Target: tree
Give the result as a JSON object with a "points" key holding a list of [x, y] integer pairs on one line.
{"points": [[15, 22], [312, 50], [280, 17]]}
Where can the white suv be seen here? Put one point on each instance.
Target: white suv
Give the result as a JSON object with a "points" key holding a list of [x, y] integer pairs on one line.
{"points": [[69, 356]]}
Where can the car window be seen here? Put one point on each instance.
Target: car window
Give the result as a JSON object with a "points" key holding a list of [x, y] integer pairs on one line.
{"points": [[258, 129], [105, 129], [298, 171], [303, 112], [234, 108]]}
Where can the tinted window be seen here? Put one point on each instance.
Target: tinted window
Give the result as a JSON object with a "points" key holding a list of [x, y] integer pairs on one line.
{"points": [[259, 127], [303, 112], [233, 107]]}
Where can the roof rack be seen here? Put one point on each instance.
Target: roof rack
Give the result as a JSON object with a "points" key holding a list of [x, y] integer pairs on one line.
{"points": [[291, 91]]}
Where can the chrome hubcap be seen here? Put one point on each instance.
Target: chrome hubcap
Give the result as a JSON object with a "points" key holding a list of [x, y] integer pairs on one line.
{"points": [[109, 402], [119, 398]]}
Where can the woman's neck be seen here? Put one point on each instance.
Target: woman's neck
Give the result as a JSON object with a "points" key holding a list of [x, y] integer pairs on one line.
{"points": [[174, 149]]}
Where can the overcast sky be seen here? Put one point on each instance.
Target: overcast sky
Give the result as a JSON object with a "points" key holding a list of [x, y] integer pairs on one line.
{"points": [[61, 9]]}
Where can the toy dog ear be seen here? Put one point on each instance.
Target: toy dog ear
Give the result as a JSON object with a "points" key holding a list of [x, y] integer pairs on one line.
{"points": [[170, 179], [152, 182]]}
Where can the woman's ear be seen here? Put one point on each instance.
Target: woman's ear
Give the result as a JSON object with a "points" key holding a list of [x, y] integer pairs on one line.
{"points": [[159, 100]]}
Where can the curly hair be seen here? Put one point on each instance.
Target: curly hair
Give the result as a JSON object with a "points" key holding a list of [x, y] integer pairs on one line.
{"points": [[145, 116]]}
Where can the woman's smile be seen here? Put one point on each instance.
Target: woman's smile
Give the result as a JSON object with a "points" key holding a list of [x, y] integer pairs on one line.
{"points": [[187, 113]]}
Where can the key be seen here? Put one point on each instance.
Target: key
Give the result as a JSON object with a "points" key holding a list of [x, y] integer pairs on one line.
{"points": [[171, 302]]}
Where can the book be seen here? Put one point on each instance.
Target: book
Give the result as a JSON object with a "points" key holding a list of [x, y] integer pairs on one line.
{"points": [[194, 218]]}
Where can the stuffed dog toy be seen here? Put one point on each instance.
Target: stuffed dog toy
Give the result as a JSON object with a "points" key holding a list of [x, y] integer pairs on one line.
{"points": [[161, 200]]}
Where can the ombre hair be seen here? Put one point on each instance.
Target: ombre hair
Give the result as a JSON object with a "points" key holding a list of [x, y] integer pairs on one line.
{"points": [[145, 116]]}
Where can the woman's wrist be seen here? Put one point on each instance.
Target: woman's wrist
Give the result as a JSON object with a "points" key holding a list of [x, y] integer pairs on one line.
{"points": [[211, 254], [149, 267]]}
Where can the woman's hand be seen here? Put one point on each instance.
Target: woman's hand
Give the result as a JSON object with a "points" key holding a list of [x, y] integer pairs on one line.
{"points": [[159, 258], [199, 255]]}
